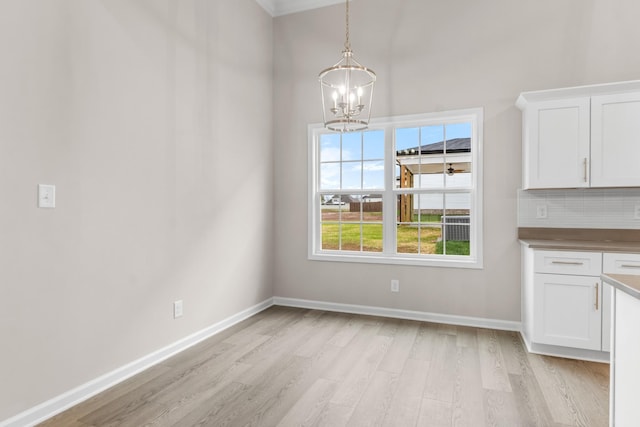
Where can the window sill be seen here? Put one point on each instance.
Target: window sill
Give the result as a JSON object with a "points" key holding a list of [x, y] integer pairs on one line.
{"points": [[356, 257]]}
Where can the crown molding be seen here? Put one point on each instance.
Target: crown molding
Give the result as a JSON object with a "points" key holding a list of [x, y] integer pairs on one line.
{"points": [[285, 7]]}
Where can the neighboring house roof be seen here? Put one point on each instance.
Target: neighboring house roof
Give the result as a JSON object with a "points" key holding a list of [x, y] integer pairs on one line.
{"points": [[344, 198], [372, 196], [457, 145]]}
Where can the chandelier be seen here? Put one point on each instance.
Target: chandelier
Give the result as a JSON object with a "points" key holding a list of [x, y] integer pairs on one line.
{"points": [[347, 91]]}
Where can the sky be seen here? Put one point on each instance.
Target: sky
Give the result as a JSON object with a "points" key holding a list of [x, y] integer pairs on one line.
{"points": [[362, 166]]}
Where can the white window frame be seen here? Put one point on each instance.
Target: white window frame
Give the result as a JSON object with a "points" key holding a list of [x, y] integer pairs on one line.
{"points": [[389, 255]]}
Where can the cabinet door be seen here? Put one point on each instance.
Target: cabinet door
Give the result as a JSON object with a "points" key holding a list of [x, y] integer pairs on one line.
{"points": [[615, 140], [567, 311], [557, 144]]}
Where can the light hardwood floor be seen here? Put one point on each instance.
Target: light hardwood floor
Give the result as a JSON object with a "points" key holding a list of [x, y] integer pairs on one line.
{"points": [[294, 367]]}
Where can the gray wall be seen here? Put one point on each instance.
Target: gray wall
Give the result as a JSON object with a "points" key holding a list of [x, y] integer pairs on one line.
{"points": [[153, 120], [430, 56]]}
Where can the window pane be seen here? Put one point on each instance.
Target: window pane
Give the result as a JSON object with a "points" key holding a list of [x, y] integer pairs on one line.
{"points": [[407, 227], [431, 236], [407, 153], [350, 237], [405, 177], [431, 202], [405, 208], [330, 236], [458, 158], [431, 214], [419, 227], [329, 176], [458, 203], [373, 145], [372, 208], [456, 177], [351, 211], [432, 135], [352, 146], [330, 147], [407, 238], [407, 141], [435, 179], [457, 224], [351, 175], [330, 208], [458, 130], [373, 174], [372, 237]]}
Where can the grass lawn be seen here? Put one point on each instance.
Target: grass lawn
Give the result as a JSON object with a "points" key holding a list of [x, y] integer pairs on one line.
{"points": [[371, 237], [407, 237], [454, 247]]}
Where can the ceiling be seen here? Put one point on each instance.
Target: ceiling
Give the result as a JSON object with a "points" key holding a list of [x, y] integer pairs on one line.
{"points": [[285, 7]]}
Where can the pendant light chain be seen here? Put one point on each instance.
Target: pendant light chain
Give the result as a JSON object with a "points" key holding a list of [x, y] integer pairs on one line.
{"points": [[347, 42]]}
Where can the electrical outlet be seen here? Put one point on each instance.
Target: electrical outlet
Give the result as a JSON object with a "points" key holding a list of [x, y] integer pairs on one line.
{"points": [[177, 309], [395, 285], [636, 212], [541, 211]]}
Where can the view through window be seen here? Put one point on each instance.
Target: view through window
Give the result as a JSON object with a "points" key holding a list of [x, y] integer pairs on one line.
{"points": [[404, 190]]}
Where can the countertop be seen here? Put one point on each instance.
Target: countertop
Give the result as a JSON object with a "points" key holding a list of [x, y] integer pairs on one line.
{"points": [[625, 282], [583, 245], [580, 239]]}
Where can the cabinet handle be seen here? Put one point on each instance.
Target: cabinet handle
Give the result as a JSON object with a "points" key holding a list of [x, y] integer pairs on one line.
{"points": [[584, 162], [567, 262], [597, 296], [630, 266]]}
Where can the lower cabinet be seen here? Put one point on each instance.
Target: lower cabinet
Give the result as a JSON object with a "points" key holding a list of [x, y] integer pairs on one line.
{"points": [[567, 311]]}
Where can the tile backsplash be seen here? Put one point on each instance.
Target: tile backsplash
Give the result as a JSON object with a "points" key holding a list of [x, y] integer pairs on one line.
{"points": [[579, 208]]}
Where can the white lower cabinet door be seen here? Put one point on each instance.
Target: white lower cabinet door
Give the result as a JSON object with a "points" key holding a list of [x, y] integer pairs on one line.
{"points": [[567, 311]]}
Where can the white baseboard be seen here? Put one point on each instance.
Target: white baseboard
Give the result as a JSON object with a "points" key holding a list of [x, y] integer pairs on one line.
{"points": [[479, 322], [54, 406]]}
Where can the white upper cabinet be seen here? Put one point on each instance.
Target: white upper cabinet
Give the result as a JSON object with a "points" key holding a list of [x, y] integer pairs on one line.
{"points": [[615, 140], [556, 141], [581, 137]]}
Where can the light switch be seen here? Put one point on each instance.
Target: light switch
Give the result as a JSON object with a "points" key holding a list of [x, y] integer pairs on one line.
{"points": [[46, 196]]}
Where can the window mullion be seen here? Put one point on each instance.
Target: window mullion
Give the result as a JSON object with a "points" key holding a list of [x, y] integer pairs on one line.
{"points": [[389, 232]]}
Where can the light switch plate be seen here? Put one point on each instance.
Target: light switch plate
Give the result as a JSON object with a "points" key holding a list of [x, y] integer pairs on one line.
{"points": [[46, 196], [177, 309]]}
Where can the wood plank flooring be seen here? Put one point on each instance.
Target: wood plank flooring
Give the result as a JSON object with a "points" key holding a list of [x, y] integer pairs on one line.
{"points": [[293, 367]]}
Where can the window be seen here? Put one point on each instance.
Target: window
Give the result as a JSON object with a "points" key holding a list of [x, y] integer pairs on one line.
{"points": [[405, 191]]}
